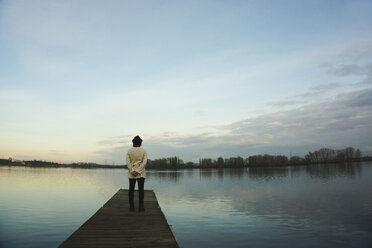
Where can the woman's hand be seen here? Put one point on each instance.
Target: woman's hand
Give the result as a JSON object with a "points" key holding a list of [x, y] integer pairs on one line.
{"points": [[135, 173]]}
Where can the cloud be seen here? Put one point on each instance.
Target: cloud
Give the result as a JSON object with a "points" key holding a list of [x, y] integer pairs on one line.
{"points": [[324, 87], [356, 52], [353, 61], [289, 101], [345, 120], [312, 94], [339, 120], [363, 99], [350, 69]]}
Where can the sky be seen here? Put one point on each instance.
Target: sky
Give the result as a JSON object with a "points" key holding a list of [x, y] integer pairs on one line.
{"points": [[195, 79]]}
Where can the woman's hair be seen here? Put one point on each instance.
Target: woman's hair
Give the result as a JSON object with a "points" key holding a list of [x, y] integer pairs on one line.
{"points": [[137, 141]]}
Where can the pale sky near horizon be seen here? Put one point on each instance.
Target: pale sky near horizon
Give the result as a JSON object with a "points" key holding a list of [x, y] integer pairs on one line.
{"points": [[79, 79]]}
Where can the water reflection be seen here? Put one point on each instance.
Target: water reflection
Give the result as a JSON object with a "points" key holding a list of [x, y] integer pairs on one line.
{"points": [[222, 173], [324, 205], [323, 171], [329, 171], [172, 176], [268, 173]]}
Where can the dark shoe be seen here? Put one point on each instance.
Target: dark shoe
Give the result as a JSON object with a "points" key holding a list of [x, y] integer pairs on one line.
{"points": [[141, 210], [131, 209]]}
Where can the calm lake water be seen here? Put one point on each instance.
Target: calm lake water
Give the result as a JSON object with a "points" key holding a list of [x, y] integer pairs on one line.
{"points": [[305, 206]]}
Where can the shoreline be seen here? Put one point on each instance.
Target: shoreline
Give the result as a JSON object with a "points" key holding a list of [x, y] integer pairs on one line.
{"points": [[180, 167]]}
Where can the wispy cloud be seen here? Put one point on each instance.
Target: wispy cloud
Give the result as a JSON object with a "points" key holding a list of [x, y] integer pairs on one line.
{"points": [[314, 93], [352, 61], [343, 120], [349, 69]]}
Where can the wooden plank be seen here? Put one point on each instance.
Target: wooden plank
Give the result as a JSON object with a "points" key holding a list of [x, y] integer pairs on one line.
{"points": [[113, 225]]}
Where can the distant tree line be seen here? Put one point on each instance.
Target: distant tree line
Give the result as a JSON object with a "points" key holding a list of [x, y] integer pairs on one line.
{"points": [[43, 163], [323, 155], [164, 163], [329, 155]]}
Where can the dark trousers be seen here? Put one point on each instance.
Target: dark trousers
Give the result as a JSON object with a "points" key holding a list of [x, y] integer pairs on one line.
{"points": [[132, 184]]}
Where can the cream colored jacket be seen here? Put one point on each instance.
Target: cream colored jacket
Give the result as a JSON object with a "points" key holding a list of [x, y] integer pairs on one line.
{"points": [[136, 161]]}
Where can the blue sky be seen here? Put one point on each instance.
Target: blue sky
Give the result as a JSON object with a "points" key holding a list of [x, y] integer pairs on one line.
{"points": [[195, 79]]}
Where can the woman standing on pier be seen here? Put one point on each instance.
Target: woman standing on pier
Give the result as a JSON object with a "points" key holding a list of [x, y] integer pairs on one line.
{"points": [[136, 162]]}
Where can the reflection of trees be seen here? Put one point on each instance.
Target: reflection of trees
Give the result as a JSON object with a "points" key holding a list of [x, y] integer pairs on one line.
{"points": [[207, 174], [235, 173], [221, 173], [334, 170], [174, 176], [258, 173], [296, 171], [323, 171]]}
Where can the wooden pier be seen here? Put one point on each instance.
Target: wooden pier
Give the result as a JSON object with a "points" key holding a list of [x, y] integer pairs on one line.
{"points": [[113, 225]]}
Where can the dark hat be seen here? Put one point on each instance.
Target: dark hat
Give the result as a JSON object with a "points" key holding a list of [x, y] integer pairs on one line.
{"points": [[137, 140]]}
